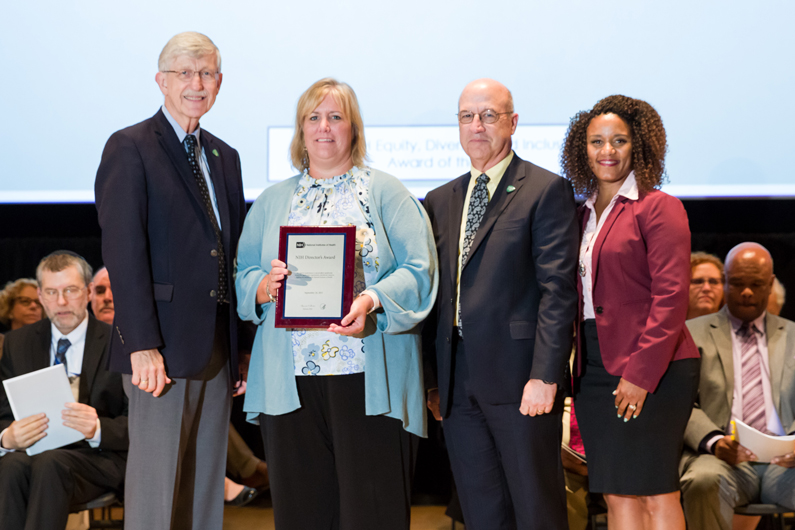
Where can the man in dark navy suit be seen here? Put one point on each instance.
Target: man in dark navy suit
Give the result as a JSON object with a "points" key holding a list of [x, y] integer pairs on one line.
{"points": [[506, 236], [170, 201]]}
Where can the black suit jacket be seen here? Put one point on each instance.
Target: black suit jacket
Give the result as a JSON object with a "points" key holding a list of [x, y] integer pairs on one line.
{"points": [[518, 288], [159, 246], [27, 349]]}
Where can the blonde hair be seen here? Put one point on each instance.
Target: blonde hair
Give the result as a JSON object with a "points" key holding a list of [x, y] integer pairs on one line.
{"points": [[346, 98], [699, 258], [8, 297], [189, 43]]}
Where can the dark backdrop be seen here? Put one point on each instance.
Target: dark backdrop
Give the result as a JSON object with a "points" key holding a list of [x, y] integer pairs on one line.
{"points": [[29, 232]]}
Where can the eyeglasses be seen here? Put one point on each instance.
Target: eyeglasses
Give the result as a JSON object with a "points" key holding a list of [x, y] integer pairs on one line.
{"points": [[25, 301], [487, 116], [701, 281], [186, 76], [70, 293]]}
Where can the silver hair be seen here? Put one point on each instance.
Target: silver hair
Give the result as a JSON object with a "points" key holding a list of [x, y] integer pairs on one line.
{"points": [[188, 43], [60, 260]]}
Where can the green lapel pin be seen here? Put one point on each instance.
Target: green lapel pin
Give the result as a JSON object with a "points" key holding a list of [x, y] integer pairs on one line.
{"points": [[510, 189], [215, 152]]}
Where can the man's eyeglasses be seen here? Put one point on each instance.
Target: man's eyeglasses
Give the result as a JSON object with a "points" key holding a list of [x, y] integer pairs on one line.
{"points": [[25, 301], [186, 76], [487, 116], [70, 293]]}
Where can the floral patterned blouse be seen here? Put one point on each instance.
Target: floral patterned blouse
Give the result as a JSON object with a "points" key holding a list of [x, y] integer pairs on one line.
{"points": [[338, 201]]}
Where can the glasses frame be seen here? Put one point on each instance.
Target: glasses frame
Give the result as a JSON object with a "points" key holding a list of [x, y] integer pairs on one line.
{"points": [[25, 301], [480, 117], [70, 293], [193, 74]]}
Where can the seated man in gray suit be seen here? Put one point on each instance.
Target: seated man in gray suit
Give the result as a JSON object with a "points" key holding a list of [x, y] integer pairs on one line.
{"points": [[747, 373], [37, 491]]}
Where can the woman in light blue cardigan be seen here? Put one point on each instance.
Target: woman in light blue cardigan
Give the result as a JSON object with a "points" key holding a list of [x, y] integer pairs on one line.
{"points": [[339, 448]]}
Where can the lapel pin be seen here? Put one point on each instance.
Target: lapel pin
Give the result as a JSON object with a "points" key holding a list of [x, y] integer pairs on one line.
{"points": [[510, 189], [215, 152]]}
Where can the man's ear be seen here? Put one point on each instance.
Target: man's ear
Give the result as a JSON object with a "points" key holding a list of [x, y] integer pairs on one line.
{"points": [[160, 79]]}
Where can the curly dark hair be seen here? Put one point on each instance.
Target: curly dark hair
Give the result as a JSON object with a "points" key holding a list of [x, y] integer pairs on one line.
{"points": [[648, 144]]}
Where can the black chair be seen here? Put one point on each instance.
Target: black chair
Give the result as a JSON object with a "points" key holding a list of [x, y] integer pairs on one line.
{"points": [[104, 503], [772, 512]]}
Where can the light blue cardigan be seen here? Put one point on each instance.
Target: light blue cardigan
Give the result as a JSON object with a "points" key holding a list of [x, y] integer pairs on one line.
{"points": [[406, 286]]}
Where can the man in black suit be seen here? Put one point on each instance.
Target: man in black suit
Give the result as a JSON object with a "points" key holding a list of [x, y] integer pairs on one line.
{"points": [[37, 491], [170, 202], [506, 236]]}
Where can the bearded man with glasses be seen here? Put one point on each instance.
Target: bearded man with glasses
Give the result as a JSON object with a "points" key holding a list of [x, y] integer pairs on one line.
{"points": [[170, 202], [37, 491]]}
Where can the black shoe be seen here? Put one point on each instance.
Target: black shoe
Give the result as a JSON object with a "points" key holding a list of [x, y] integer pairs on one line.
{"points": [[244, 497]]}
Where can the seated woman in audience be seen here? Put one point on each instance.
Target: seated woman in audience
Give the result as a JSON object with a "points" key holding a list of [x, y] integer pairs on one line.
{"points": [[19, 305], [637, 366], [340, 449], [706, 285]]}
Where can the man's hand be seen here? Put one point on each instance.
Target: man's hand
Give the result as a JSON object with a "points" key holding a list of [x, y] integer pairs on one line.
{"points": [[149, 372], [629, 399], [433, 404], [538, 397], [787, 460], [272, 281], [82, 418], [353, 323], [23, 433], [731, 452], [572, 463]]}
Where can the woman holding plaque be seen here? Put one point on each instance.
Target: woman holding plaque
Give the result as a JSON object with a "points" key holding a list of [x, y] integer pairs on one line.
{"points": [[340, 449], [637, 366]]}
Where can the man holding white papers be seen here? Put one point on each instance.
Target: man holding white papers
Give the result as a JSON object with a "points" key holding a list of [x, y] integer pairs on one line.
{"points": [[747, 374], [37, 491]]}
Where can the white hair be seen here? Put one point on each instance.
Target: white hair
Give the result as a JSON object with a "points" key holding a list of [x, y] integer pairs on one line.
{"points": [[780, 292], [188, 43]]}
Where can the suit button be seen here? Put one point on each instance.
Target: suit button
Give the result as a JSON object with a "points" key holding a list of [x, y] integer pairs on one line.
{"points": [[212, 293], [452, 301], [598, 310], [448, 339], [213, 253]]}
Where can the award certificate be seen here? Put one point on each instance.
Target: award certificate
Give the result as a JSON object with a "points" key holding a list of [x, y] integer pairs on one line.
{"points": [[319, 289]]}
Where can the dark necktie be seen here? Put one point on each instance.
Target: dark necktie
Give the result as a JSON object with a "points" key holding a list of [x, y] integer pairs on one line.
{"points": [[60, 353], [190, 146], [477, 207], [752, 391]]}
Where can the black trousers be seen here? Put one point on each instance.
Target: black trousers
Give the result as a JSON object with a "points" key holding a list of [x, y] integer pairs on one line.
{"points": [[506, 465], [37, 491], [333, 467]]}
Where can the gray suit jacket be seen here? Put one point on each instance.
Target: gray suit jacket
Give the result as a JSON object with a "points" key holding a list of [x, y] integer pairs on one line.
{"points": [[712, 334]]}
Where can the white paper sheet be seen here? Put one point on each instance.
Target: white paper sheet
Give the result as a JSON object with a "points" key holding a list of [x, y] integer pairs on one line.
{"points": [[45, 390], [764, 446]]}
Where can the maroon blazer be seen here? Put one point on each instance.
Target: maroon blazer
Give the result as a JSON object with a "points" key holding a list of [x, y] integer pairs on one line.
{"points": [[641, 276]]}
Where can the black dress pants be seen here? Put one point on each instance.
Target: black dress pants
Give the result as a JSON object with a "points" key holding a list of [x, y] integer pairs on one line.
{"points": [[333, 467], [37, 491]]}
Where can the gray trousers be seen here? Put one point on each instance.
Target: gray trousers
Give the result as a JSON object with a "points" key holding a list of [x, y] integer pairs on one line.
{"points": [[711, 489], [177, 459]]}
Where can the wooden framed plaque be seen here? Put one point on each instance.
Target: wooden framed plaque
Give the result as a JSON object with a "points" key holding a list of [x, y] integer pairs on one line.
{"points": [[318, 291]]}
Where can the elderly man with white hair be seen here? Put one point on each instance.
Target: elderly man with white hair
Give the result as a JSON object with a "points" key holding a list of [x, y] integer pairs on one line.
{"points": [[170, 202]]}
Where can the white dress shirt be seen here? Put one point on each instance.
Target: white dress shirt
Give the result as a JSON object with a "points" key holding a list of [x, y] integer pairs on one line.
{"points": [[628, 189]]}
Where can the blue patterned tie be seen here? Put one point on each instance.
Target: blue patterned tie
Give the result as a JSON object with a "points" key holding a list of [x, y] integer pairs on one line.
{"points": [[190, 146], [477, 207], [60, 353]]}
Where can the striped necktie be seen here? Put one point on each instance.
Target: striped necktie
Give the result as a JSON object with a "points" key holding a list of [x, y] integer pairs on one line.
{"points": [[60, 353], [753, 391]]}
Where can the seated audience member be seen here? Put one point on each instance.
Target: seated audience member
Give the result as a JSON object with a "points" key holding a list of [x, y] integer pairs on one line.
{"points": [[19, 305], [37, 491], [575, 471], [706, 284], [778, 295], [747, 373], [101, 297]]}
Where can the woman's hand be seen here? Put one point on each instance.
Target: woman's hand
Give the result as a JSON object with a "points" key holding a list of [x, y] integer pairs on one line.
{"points": [[272, 281], [629, 399], [353, 323]]}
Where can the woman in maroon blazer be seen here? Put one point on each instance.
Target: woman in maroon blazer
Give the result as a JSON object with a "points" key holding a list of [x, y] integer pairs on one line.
{"points": [[636, 366]]}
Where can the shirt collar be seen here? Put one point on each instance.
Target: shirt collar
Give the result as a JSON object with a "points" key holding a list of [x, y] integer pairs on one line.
{"points": [[628, 189], [494, 171], [736, 323], [74, 336], [181, 134]]}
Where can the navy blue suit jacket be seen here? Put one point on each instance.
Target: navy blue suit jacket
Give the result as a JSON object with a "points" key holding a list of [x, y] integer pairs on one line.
{"points": [[159, 246], [518, 287]]}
